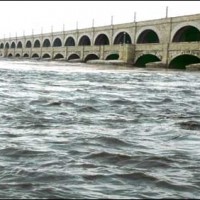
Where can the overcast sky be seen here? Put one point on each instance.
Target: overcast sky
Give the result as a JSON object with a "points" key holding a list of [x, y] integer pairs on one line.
{"points": [[17, 17]]}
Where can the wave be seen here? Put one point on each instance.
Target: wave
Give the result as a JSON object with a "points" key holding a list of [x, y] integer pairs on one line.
{"points": [[54, 103], [122, 102], [88, 109], [111, 158], [112, 141], [177, 187], [133, 176], [137, 176], [190, 125], [18, 152], [155, 162]]}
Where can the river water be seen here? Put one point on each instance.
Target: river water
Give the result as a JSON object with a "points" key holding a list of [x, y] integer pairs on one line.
{"points": [[91, 131]]}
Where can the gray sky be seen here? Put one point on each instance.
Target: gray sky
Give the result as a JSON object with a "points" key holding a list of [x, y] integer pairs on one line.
{"points": [[19, 16]]}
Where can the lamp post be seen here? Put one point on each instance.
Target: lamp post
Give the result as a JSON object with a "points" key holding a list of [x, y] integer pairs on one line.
{"points": [[111, 20], [134, 16], [92, 23], [63, 28], [167, 12]]}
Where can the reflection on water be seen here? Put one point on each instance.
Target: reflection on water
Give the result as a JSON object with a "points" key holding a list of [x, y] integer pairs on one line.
{"points": [[91, 131]]}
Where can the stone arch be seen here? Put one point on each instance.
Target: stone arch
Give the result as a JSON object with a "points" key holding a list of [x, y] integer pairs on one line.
{"points": [[91, 57], [146, 58], [122, 37], [152, 28], [70, 41], [1, 46], [7, 45], [58, 56], [187, 34], [10, 55], [181, 25], [35, 55], [73, 56], [113, 56], [17, 55], [101, 39], [19, 44], [28, 44], [13, 45], [181, 61], [46, 55], [84, 40], [148, 36], [57, 42], [36, 43], [46, 43], [26, 55]]}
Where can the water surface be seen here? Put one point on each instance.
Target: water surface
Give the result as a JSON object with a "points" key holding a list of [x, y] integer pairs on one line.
{"points": [[91, 131]]}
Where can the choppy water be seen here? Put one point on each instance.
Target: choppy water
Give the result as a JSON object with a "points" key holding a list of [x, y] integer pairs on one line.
{"points": [[86, 131]]}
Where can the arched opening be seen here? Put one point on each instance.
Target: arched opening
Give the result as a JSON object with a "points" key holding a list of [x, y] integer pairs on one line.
{"points": [[28, 44], [17, 55], [35, 55], [46, 55], [12, 45], [58, 56], [122, 38], [187, 34], [112, 57], [1, 46], [10, 55], [102, 39], [70, 42], [37, 44], [91, 57], [148, 36], [46, 43], [19, 44], [84, 41], [181, 61], [57, 42], [147, 58], [26, 55], [73, 56], [7, 45]]}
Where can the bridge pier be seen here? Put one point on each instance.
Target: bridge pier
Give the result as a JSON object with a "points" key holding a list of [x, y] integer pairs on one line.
{"points": [[101, 50], [82, 53], [66, 52], [165, 57], [127, 53]]}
